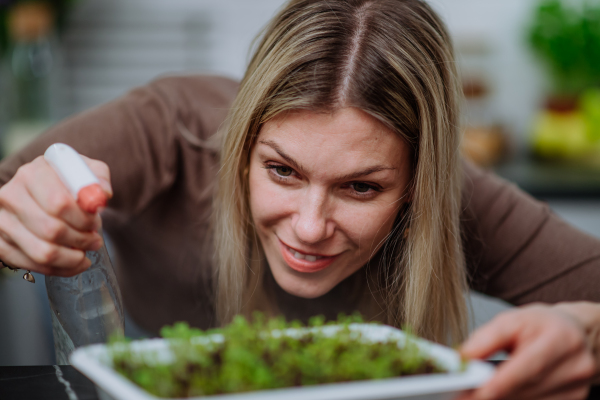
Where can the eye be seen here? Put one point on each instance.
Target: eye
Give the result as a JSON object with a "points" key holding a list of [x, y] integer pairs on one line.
{"points": [[280, 172], [361, 187], [283, 171]]}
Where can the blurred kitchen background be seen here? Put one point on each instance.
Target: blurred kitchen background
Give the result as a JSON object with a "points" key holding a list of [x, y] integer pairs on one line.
{"points": [[529, 70]]}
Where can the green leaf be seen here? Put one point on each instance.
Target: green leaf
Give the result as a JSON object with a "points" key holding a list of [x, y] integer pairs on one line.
{"points": [[566, 37], [258, 355]]}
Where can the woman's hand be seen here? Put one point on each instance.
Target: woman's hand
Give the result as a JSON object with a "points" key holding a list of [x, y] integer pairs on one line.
{"points": [[553, 352], [42, 228]]}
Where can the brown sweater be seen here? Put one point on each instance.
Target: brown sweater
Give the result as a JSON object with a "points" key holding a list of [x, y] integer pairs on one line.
{"points": [[163, 173]]}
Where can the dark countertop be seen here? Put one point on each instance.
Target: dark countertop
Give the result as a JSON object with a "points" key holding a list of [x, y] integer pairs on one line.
{"points": [[47, 382], [52, 382], [547, 180]]}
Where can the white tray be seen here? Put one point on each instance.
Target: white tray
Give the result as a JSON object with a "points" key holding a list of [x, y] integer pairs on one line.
{"points": [[94, 362]]}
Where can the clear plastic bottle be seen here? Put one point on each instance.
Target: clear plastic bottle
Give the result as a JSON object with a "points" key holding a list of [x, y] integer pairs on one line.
{"points": [[86, 308]]}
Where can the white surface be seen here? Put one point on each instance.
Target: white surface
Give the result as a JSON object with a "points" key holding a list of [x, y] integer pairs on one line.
{"points": [[93, 362], [70, 167]]}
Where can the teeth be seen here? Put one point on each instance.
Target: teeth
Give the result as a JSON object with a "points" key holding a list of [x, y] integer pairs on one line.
{"points": [[306, 257]]}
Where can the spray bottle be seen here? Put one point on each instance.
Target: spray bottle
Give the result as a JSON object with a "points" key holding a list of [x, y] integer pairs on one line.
{"points": [[86, 308]]}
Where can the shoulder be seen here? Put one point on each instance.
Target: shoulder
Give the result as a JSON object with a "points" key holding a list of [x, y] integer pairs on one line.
{"points": [[194, 89], [486, 194], [198, 103], [498, 220]]}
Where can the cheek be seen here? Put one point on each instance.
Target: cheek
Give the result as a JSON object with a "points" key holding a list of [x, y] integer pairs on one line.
{"points": [[268, 202], [368, 225]]}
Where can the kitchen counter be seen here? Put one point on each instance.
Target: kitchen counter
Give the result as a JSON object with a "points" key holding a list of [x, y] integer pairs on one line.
{"points": [[47, 382]]}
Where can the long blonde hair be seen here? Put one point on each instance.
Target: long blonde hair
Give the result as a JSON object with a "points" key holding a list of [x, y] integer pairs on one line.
{"points": [[392, 59]]}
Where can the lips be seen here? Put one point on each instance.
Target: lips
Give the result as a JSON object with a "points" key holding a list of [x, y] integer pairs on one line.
{"points": [[301, 262]]}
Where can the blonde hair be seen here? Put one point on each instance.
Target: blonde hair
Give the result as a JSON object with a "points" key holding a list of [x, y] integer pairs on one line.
{"points": [[392, 59]]}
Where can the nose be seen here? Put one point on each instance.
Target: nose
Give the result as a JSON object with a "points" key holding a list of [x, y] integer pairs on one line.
{"points": [[312, 224]]}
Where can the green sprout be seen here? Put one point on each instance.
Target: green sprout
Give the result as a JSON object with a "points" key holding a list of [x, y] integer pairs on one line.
{"points": [[264, 353]]}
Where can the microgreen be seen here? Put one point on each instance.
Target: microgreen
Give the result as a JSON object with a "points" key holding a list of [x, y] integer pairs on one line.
{"points": [[267, 354]]}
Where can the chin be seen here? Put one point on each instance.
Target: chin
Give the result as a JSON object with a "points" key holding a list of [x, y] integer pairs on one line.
{"points": [[304, 287]]}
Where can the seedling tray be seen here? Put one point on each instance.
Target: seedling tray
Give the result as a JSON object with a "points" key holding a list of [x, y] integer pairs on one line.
{"points": [[95, 362]]}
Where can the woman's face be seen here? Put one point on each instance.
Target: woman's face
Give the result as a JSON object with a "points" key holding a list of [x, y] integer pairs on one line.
{"points": [[325, 190]]}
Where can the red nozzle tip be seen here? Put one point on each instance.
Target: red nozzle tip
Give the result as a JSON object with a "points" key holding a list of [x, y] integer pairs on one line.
{"points": [[91, 197]]}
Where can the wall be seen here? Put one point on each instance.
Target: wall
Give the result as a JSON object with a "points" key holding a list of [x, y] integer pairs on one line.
{"points": [[517, 78], [114, 45]]}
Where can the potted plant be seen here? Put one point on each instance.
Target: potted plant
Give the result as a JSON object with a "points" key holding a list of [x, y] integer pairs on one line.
{"points": [[566, 38]]}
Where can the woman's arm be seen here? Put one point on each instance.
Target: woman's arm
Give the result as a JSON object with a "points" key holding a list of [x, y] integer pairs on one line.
{"points": [[587, 315], [148, 138], [139, 136], [518, 250]]}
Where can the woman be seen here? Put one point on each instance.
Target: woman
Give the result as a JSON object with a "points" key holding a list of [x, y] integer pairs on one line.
{"points": [[338, 189], [330, 69]]}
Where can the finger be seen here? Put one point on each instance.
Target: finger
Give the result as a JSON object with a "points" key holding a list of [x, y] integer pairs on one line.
{"points": [[51, 229], [574, 373], [499, 334], [41, 252], [528, 364], [102, 172], [46, 188], [574, 394], [578, 393], [12, 256], [16, 259]]}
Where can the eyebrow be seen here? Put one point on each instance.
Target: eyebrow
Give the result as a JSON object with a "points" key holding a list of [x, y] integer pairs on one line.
{"points": [[347, 177], [365, 172], [279, 151]]}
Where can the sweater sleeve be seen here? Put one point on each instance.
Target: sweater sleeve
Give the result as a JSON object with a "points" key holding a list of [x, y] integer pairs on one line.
{"points": [[518, 250], [139, 135]]}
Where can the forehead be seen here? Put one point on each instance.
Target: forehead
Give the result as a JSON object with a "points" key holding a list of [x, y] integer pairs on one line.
{"points": [[346, 135]]}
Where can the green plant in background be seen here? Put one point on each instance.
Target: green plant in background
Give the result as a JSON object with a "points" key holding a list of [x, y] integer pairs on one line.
{"points": [[261, 355], [566, 36], [60, 9], [589, 104]]}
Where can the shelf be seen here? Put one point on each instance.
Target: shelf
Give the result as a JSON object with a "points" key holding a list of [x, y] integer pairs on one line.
{"points": [[545, 180]]}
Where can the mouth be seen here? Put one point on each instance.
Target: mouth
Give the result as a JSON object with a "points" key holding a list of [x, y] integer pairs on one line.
{"points": [[303, 262]]}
